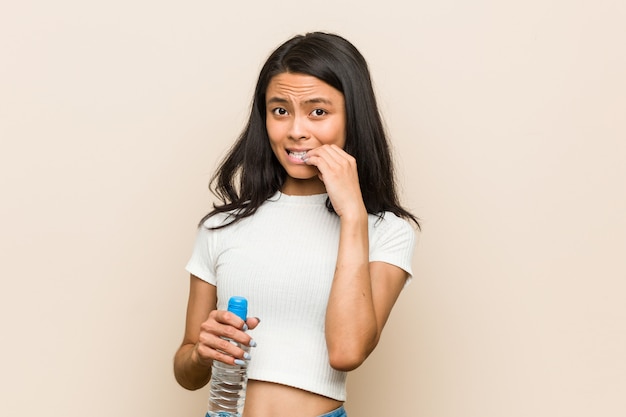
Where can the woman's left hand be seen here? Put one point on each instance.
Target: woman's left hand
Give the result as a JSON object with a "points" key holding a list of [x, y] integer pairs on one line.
{"points": [[338, 172]]}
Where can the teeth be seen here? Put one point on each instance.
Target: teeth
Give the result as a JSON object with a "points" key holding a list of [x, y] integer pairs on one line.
{"points": [[298, 154]]}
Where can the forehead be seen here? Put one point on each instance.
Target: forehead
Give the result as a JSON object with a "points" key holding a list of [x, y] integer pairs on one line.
{"points": [[300, 86]]}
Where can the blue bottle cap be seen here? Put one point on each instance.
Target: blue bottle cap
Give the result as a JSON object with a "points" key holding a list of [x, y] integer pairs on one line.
{"points": [[239, 306]]}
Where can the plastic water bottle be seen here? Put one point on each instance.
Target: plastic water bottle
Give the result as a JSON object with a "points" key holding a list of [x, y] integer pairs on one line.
{"points": [[228, 382]]}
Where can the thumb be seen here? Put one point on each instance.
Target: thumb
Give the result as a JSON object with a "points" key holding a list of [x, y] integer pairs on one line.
{"points": [[252, 322]]}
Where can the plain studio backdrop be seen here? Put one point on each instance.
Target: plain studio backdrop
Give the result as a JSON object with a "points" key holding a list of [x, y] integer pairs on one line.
{"points": [[508, 126]]}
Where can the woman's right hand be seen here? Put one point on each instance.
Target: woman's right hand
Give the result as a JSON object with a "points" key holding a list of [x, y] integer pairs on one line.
{"points": [[205, 328], [212, 341]]}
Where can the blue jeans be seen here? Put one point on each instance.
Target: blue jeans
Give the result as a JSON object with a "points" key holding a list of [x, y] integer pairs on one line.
{"points": [[340, 412]]}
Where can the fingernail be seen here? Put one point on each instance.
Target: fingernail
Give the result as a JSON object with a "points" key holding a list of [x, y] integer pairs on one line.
{"points": [[252, 343], [247, 356], [245, 327], [239, 362]]}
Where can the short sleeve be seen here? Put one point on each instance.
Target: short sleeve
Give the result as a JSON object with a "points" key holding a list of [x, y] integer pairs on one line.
{"points": [[393, 241], [202, 262]]}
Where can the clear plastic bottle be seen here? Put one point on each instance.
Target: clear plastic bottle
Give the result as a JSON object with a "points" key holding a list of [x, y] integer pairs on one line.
{"points": [[228, 382]]}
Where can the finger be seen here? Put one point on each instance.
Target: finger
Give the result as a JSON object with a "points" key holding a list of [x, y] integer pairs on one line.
{"points": [[323, 160], [337, 158], [207, 355], [252, 322], [325, 153], [211, 347], [228, 318], [338, 154], [333, 166], [224, 324], [201, 354]]}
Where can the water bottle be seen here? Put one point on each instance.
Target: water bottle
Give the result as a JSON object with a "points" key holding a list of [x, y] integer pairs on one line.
{"points": [[228, 382]]}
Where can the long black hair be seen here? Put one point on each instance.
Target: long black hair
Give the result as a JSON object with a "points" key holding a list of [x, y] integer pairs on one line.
{"points": [[250, 172]]}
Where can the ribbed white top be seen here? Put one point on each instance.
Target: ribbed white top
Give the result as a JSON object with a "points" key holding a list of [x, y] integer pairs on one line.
{"points": [[282, 259]]}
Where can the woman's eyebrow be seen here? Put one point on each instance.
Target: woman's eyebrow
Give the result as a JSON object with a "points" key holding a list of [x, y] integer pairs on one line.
{"points": [[278, 100], [318, 100], [314, 100]]}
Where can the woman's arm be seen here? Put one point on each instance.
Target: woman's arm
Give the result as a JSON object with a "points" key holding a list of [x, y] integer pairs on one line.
{"points": [[363, 293], [203, 340], [192, 371], [361, 299]]}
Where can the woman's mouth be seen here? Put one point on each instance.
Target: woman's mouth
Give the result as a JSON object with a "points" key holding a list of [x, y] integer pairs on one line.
{"points": [[296, 156]]}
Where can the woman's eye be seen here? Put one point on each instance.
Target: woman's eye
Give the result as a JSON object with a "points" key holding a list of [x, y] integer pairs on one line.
{"points": [[279, 111], [318, 112]]}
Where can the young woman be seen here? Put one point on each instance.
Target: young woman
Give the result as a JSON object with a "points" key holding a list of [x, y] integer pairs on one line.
{"points": [[309, 230]]}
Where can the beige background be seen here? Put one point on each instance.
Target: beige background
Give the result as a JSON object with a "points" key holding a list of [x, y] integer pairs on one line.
{"points": [[508, 121]]}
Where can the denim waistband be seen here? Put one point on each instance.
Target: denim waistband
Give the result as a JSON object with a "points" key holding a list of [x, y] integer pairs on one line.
{"points": [[340, 412]]}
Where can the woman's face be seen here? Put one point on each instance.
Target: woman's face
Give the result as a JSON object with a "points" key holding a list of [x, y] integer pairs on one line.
{"points": [[302, 113]]}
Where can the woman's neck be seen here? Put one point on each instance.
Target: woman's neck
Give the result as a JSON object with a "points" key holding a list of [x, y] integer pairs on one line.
{"points": [[311, 186]]}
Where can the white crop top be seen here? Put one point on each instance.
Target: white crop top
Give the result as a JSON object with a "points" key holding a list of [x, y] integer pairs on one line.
{"points": [[282, 259]]}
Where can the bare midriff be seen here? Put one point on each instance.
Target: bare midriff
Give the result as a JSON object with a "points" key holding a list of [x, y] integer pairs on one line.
{"points": [[267, 399]]}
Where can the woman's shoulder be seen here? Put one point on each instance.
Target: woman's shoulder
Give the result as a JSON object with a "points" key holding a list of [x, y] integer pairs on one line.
{"points": [[393, 239], [389, 226], [217, 220], [390, 220]]}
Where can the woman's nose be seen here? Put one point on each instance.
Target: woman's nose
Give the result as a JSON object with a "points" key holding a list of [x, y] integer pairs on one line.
{"points": [[298, 129]]}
